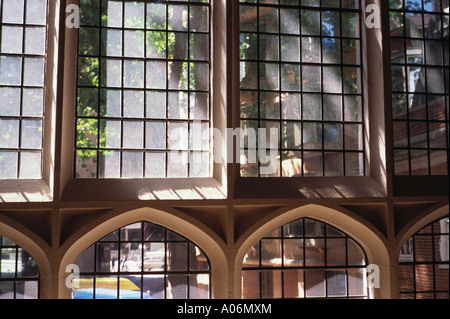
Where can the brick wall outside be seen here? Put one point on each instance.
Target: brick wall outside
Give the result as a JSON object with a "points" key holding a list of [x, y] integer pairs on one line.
{"points": [[428, 273]]}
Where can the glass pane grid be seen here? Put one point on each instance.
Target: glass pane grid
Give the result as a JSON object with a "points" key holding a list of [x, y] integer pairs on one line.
{"points": [[281, 264], [420, 96], [300, 73], [172, 266], [19, 273], [22, 61], [143, 105], [424, 264]]}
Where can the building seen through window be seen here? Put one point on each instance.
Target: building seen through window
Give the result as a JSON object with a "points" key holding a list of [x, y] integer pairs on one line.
{"points": [[419, 40], [142, 261], [300, 72], [424, 265], [305, 258]]}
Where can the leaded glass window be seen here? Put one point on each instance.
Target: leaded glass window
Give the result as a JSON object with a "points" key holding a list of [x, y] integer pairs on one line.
{"points": [[19, 272], [23, 41], [300, 73], [143, 89], [143, 261], [419, 41], [305, 258], [423, 263]]}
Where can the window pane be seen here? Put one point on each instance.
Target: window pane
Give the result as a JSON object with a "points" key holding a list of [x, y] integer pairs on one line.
{"points": [[109, 164], [134, 43], [315, 283], [251, 259], [155, 135], [111, 73], [293, 229], [112, 13], [13, 11], [175, 18], [11, 70], [134, 15], [336, 283], [111, 42], [133, 76], [199, 18], [11, 98], [177, 257], [293, 252], [156, 15], [30, 165], [132, 165], [251, 284], [270, 252], [290, 49], [356, 282], [31, 134], [314, 252], [269, 288], [33, 72], [133, 104], [199, 286], [197, 259], [355, 254], [294, 286], [11, 39], [8, 164], [313, 228], [332, 108], [177, 164], [336, 252], [156, 74], [9, 133], [86, 260], [155, 164]]}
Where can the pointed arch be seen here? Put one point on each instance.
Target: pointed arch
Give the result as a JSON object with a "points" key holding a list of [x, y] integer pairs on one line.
{"points": [[183, 225], [417, 223], [368, 237], [35, 247]]}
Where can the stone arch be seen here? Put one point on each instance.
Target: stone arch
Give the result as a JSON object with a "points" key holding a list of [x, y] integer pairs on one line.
{"points": [[370, 239], [420, 221], [211, 245], [35, 246]]}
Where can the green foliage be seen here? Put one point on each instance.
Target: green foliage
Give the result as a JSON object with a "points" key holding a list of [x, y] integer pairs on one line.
{"points": [[92, 132], [89, 12], [88, 71]]}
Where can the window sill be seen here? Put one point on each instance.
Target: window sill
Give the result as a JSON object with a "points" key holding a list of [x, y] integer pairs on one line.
{"points": [[24, 190], [426, 185], [308, 187], [143, 189]]}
